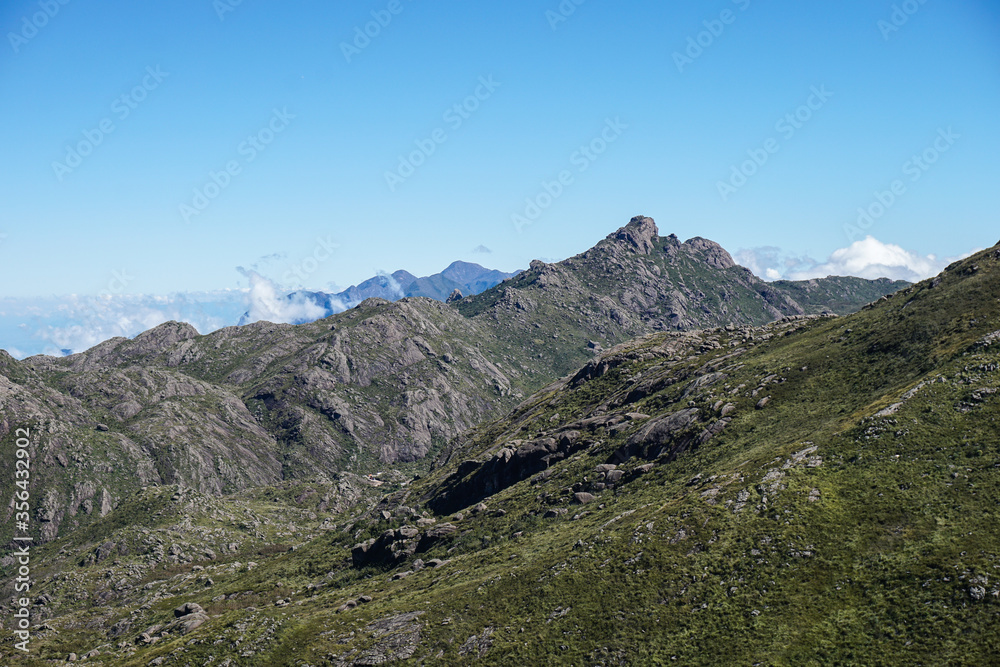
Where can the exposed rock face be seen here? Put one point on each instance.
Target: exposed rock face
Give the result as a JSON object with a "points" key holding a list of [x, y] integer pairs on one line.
{"points": [[714, 255], [474, 481], [395, 639], [638, 235], [660, 434]]}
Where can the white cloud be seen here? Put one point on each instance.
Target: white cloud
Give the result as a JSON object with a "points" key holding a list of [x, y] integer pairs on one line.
{"points": [[74, 323], [770, 262], [392, 284], [53, 325], [872, 259], [267, 302], [869, 259]]}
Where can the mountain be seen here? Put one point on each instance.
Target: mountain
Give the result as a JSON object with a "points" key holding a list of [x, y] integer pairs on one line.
{"points": [[634, 282], [379, 287], [465, 277], [837, 294], [815, 490]]}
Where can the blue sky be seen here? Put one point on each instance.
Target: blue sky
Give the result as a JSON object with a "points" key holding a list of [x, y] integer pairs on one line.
{"points": [[201, 78]]}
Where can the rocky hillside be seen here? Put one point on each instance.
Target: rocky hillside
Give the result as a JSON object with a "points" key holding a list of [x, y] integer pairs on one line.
{"points": [[381, 384], [250, 406], [819, 490], [838, 294]]}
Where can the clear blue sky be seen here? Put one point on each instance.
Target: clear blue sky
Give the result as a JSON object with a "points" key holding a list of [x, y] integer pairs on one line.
{"points": [[323, 175]]}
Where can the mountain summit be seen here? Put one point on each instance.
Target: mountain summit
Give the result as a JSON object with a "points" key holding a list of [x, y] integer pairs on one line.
{"points": [[636, 281]]}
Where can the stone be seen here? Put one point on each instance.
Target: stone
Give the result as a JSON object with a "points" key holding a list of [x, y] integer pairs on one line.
{"points": [[188, 623], [188, 608], [582, 497], [638, 235], [407, 532], [444, 530], [762, 403]]}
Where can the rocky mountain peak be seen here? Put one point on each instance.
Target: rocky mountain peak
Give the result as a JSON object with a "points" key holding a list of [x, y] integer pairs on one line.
{"points": [[714, 254], [165, 335], [638, 235]]}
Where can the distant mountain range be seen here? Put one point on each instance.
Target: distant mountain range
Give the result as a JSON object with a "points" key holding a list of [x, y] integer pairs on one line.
{"points": [[465, 277]]}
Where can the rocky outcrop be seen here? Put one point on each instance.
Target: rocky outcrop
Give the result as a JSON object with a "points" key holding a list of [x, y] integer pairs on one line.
{"points": [[710, 252], [639, 235]]}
